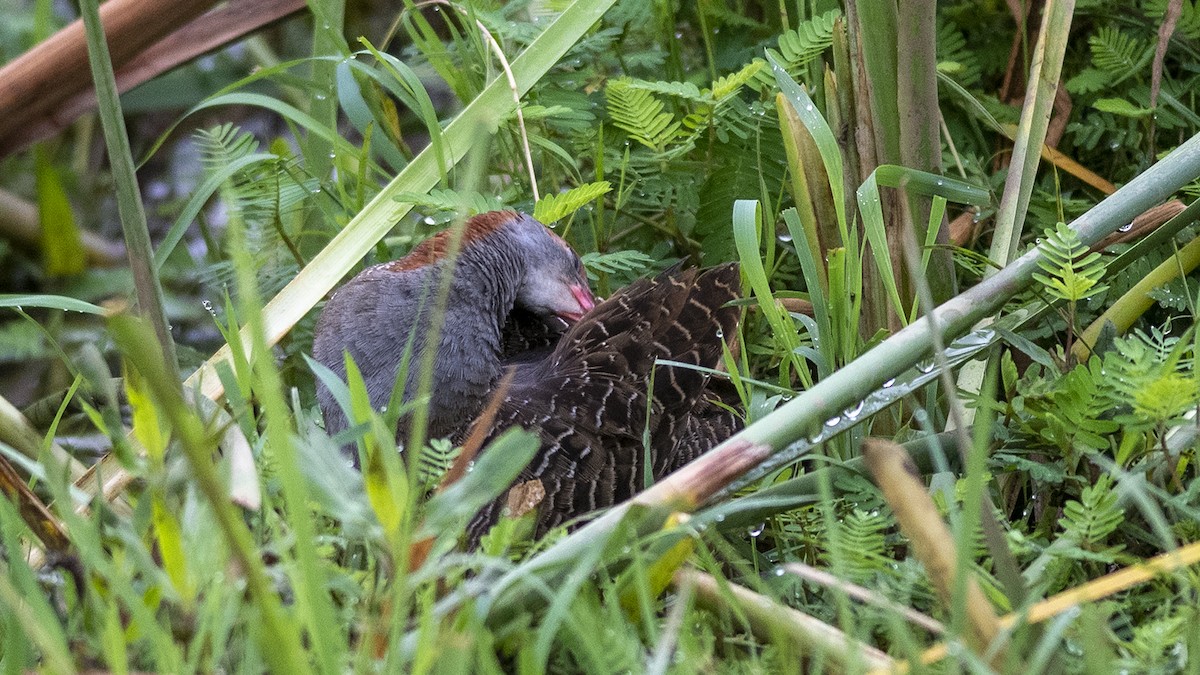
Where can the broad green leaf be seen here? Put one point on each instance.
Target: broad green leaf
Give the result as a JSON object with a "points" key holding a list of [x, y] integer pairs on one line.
{"points": [[170, 546], [1120, 106], [62, 249], [555, 207], [49, 302], [149, 428]]}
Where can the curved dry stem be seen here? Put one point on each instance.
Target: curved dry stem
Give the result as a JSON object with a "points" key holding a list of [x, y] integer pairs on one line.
{"points": [[512, 87]]}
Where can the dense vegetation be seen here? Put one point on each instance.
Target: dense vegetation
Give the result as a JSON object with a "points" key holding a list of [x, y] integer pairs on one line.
{"points": [[1051, 409]]}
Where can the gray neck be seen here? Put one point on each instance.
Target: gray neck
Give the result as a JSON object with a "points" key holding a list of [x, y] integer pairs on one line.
{"points": [[467, 365]]}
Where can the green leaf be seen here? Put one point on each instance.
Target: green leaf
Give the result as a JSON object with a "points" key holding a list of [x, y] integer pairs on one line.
{"points": [[1071, 273], [555, 207], [799, 46], [628, 263], [385, 480], [49, 302], [636, 112], [1118, 54], [62, 249], [494, 470], [149, 427], [1119, 106]]}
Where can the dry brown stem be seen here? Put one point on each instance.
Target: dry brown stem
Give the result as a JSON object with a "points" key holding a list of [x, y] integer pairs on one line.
{"points": [[932, 541]]}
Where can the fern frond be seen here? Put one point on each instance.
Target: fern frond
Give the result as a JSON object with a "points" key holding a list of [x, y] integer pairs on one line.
{"points": [[1118, 54], [223, 145], [434, 460], [955, 57], [267, 196], [863, 543], [728, 85], [551, 208], [1189, 16], [443, 205], [684, 90], [1096, 515], [800, 45], [1072, 273], [1088, 80], [638, 113], [630, 264], [808, 40]]}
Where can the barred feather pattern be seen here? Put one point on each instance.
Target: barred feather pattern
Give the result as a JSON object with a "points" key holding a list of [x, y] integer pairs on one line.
{"points": [[587, 400]]}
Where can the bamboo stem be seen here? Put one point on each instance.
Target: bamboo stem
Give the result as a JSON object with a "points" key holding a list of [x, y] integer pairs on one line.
{"points": [[37, 82]]}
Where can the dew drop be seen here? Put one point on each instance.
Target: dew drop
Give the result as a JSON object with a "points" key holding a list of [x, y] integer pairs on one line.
{"points": [[429, 220], [833, 421], [778, 571], [785, 237], [854, 411], [925, 366], [889, 383], [756, 530], [209, 306], [1125, 228]]}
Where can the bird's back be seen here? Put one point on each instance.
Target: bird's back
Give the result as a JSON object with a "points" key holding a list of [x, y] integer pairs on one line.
{"points": [[588, 399]]}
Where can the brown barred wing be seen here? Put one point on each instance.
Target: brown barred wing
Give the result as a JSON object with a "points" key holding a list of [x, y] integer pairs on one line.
{"points": [[588, 403]]}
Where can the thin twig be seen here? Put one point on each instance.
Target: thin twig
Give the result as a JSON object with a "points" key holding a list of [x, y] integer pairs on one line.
{"points": [[770, 620], [512, 85], [1094, 590], [865, 595]]}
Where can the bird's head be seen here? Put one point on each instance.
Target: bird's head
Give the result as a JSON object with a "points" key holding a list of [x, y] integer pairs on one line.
{"points": [[555, 283]]}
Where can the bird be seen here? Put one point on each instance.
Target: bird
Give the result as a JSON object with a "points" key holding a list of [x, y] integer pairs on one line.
{"points": [[514, 285], [585, 376]]}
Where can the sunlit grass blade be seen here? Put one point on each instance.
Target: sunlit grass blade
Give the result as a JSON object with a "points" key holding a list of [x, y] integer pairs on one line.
{"points": [[62, 248], [386, 481], [915, 183], [822, 135], [49, 302], [812, 269], [746, 227], [280, 640]]}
